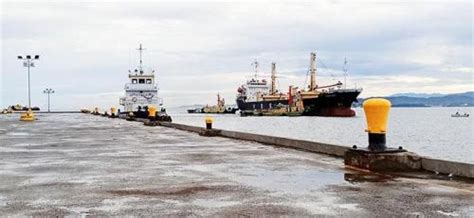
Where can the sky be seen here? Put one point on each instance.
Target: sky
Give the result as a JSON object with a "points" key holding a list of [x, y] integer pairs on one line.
{"points": [[199, 49]]}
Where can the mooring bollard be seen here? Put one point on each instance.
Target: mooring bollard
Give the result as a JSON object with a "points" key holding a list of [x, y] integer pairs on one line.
{"points": [[130, 116], [208, 121], [209, 131], [96, 111], [113, 112], [377, 156], [152, 121], [151, 113], [376, 113], [28, 116]]}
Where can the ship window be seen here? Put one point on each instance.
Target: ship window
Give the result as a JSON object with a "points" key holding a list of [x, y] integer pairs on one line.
{"points": [[134, 81], [148, 81], [141, 81]]}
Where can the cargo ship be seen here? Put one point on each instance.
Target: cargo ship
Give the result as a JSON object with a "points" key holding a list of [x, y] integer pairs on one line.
{"points": [[219, 108], [141, 93], [257, 96]]}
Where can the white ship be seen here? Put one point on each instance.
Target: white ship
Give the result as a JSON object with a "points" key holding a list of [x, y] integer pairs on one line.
{"points": [[141, 92]]}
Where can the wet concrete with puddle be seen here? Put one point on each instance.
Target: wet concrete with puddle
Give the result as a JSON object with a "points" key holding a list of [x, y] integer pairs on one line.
{"points": [[77, 164]]}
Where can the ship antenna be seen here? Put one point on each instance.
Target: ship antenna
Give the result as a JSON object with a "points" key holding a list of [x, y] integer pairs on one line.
{"points": [[345, 72], [140, 49], [313, 71], [255, 64]]}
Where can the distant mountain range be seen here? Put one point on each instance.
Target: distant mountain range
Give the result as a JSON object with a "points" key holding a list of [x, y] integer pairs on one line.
{"points": [[465, 99]]}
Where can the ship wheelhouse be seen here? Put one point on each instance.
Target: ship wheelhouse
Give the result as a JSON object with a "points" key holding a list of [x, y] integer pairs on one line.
{"points": [[141, 82], [255, 89]]}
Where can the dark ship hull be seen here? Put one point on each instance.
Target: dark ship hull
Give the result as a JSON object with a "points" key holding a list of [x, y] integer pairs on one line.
{"points": [[228, 110], [334, 104], [143, 114]]}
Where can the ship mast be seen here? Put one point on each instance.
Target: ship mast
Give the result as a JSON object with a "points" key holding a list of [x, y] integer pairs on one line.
{"points": [[140, 49], [255, 64], [273, 89], [345, 72], [312, 70]]}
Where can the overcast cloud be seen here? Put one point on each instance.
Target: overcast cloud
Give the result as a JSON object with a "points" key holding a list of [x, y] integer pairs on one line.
{"points": [[200, 49]]}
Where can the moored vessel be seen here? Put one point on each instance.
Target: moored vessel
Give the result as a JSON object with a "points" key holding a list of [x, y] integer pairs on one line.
{"points": [[219, 108], [457, 114], [141, 94], [258, 97]]}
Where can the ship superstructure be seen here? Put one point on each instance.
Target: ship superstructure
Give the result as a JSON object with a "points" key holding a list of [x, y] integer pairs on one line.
{"points": [[257, 93], [141, 91], [255, 88]]}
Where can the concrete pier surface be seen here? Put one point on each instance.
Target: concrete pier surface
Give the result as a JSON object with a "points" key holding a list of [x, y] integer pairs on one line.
{"points": [[78, 164]]}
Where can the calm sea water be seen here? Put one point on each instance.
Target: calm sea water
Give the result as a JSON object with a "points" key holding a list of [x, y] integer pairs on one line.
{"points": [[429, 132]]}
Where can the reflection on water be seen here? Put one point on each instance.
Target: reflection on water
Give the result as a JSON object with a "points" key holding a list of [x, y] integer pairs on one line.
{"points": [[427, 131]]}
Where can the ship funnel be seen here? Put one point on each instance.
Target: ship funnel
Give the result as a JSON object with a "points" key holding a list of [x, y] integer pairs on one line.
{"points": [[273, 90]]}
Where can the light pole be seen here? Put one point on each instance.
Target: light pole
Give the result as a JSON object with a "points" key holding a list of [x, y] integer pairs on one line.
{"points": [[28, 62], [48, 91]]}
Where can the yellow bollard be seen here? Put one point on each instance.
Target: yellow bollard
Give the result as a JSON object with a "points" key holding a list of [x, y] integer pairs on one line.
{"points": [[113, 111], [208, 121], [151, 112], [376, 113], [27, 116]]}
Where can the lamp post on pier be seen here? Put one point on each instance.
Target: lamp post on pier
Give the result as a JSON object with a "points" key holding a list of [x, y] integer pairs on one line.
{"points": [[28, 61], [48, 91]]}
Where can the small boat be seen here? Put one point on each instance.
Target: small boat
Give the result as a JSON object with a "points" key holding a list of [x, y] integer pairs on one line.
{"points": [[220, 108], [194, 110], [457, 114]]}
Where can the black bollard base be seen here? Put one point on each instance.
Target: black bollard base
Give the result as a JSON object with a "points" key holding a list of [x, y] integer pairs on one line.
{"points": [[377, 145], [377, 142], [210, 132]]}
